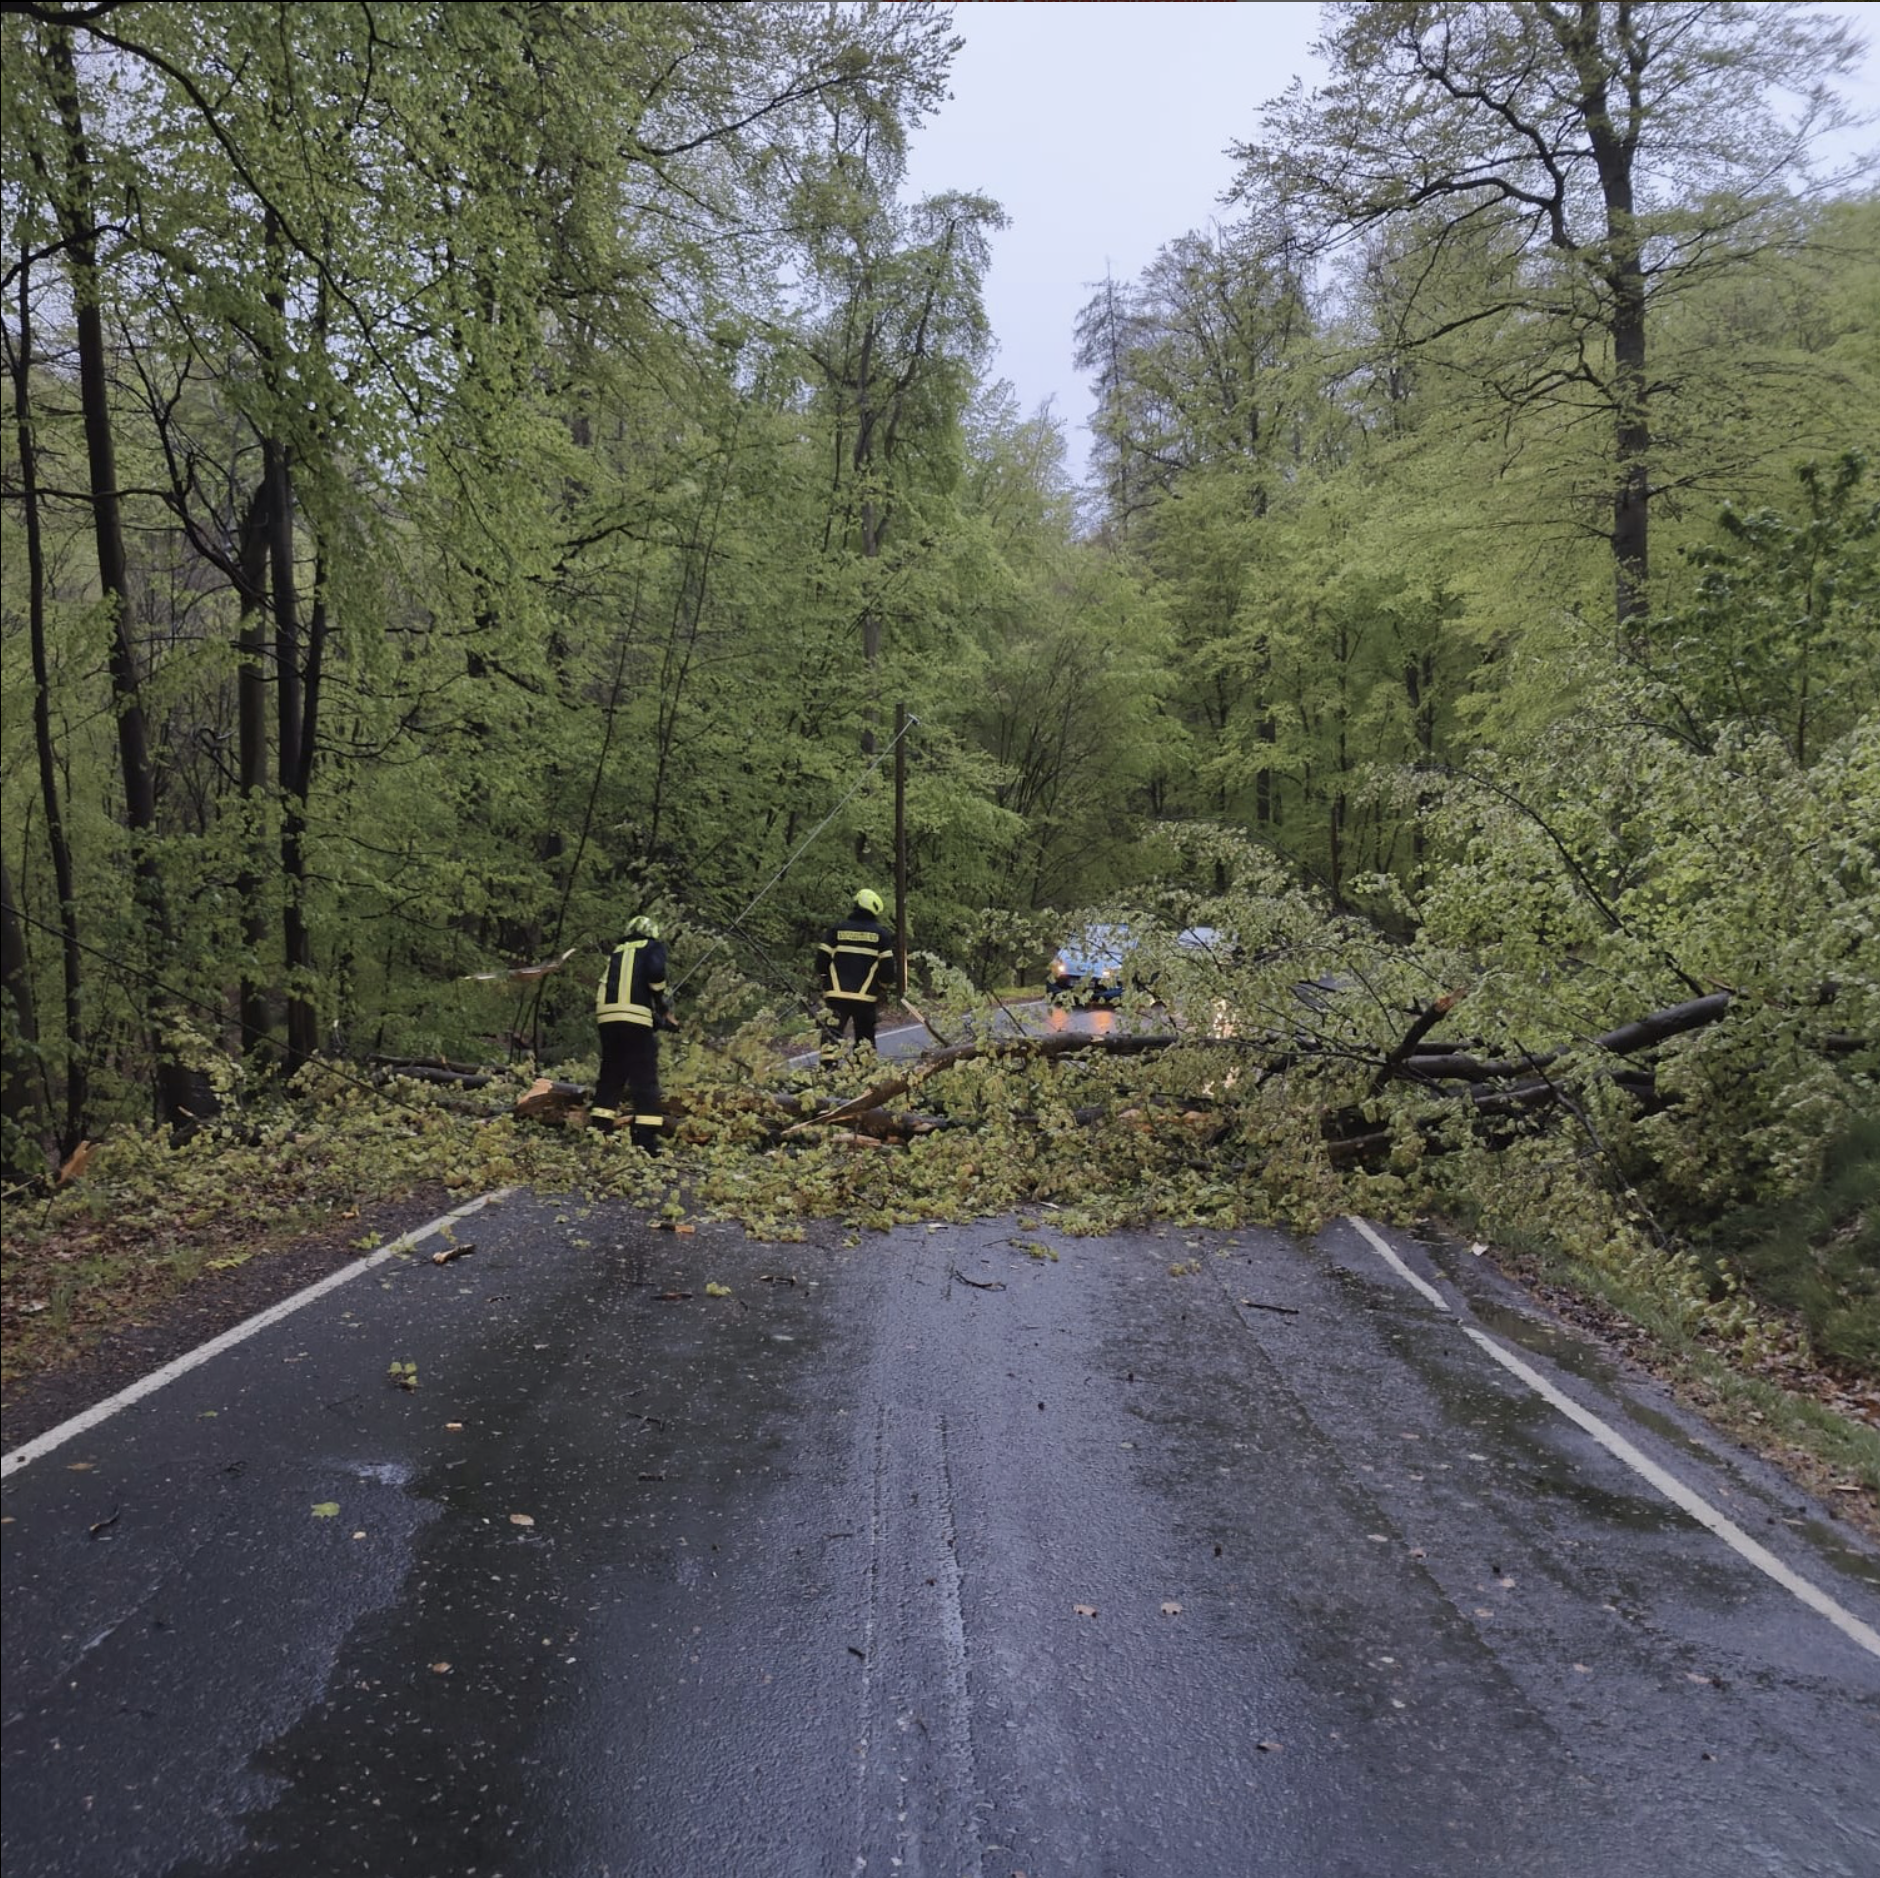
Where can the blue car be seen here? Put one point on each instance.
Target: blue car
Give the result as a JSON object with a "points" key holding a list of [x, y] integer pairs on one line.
{"points": [[1088, 967]]}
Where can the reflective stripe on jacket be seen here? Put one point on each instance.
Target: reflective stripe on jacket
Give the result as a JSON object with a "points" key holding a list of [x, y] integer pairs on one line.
{"points": [[633, 987], [856, 960]]}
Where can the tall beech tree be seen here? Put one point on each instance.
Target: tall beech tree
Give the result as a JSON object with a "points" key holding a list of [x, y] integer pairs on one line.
{"points": [[1601, 155], [61, 152]]}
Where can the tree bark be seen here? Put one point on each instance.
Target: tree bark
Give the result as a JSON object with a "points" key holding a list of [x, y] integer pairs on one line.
{"points": [[251, 692], [1614, 141], [20, 1157], [77, 1058], [182, 1097], [303, 1021]]}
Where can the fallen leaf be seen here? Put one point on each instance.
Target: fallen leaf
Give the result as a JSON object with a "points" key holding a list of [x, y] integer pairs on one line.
{"points": [[715, 1290], [1268, 1747], [672, 1297], [520, 1519], [81, 1467], [327, 1509], [454, 1427], [440, 1669]]}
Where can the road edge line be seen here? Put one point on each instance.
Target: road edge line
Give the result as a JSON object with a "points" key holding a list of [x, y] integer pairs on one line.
{"points": [[1390, 1257], [42, 1445], [1687, 1499]]}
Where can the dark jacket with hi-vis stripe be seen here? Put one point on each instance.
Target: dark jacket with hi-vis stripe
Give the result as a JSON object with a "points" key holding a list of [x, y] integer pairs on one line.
{"points": [[856, 960], [633, 987]]}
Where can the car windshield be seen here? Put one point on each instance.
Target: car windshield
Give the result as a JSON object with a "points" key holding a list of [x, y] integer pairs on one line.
{"points": [[1096, 948]]}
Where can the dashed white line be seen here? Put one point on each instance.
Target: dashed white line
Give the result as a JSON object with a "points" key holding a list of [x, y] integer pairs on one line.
{"points": [[148, 1385]]}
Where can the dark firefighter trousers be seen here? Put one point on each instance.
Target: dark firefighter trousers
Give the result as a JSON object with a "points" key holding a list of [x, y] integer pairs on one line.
{"points": [[838, 1014], [630, 1064]]}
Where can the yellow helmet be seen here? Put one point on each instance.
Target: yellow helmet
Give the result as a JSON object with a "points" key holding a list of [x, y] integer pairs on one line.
{"points": [[642, 926], [869, 901]]}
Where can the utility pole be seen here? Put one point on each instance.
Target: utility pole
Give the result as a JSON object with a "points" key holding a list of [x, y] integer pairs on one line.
{"points": [[900, 844]]}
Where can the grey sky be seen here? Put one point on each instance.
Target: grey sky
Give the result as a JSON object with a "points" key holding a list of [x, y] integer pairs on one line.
{"points": [[1102, 129]]}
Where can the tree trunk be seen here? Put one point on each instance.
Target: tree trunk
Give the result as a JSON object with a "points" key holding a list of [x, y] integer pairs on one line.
{"points": [[251, 690], [77, 1063], [182, 1097], [303, 1022], [1614, 144], [21, 1158], [1631, 497]]}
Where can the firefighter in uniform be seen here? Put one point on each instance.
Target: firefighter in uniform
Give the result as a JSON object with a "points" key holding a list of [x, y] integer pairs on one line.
{"points": [[630, 1007], [854, 971]]}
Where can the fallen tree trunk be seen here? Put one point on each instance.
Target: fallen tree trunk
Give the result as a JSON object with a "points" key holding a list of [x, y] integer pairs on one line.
{"points": [[450, 1078], [1640, 1034], [885, 1092], [1495, 1088]]}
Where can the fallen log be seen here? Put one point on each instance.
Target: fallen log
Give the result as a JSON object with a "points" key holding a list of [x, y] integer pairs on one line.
{"points": [[881, 1124], [1412, 1038], [884, 1092], [1640, 1034], [548, 1101], [449, 1074]]}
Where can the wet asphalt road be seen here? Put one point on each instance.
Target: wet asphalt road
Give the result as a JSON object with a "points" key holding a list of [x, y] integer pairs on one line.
{"points": [[927, 1554]]}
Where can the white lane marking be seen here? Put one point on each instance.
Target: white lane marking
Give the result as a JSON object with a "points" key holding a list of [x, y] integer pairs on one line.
{"points": [[1397, 1265], [148, 1385], [1668, 1484], [812, 1059], [1680, 1495]]}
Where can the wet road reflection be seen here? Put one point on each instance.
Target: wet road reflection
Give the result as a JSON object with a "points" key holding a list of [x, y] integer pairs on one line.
{"points": [[966, 1549]]}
